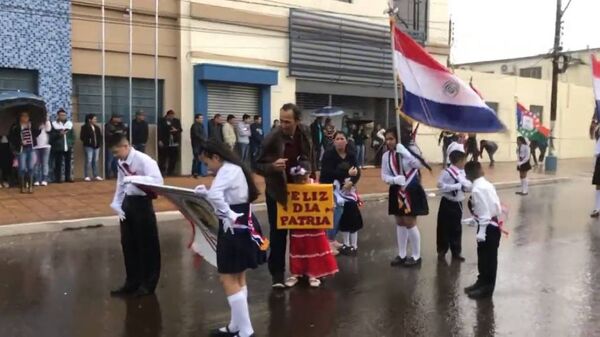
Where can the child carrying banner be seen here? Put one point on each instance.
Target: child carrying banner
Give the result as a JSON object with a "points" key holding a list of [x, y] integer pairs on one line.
{"points": [[310, 252]]}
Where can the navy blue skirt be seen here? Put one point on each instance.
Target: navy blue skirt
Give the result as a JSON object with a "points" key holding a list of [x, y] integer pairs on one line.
{"points": [[417, 199], [239, 252]]}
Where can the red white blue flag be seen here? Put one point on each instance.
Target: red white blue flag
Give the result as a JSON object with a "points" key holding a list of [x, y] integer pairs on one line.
{"points": [[436, 97]]}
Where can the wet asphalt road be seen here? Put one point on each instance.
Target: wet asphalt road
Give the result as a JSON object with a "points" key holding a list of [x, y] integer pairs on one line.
{"points": [[548, 282]]}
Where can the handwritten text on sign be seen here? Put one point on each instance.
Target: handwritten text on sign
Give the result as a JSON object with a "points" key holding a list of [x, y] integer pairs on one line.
{"points": [[309, 206]]}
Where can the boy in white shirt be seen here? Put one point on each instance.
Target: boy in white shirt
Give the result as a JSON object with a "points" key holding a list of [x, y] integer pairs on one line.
{"points": [[485, 207]]}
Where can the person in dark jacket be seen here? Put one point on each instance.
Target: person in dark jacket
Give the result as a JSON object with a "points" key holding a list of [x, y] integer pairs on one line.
{"points": [[115, 126], [139, 132], [256, 139], [169, 139], [91, 137], [22, 139], [316, 131], [62, 139], [280, 152], [215, 128], [198, 137]]}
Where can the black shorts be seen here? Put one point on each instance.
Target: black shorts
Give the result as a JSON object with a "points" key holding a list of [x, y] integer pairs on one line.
{"points": [[524, 167]]}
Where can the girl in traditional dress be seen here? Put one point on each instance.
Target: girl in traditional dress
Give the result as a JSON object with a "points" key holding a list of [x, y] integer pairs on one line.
{"points": [[310, 253], [407, 200], [523, 165], [240, 244]]}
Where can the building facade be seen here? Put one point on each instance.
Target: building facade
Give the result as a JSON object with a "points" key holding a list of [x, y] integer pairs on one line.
{"points": [[252, 57], [36, 50], [579, 71]]}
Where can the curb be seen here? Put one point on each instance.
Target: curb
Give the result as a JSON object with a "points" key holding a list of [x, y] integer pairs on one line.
{"points": [[111, 221]]}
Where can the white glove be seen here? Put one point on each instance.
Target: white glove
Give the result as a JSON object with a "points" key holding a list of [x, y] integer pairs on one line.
{"points": [[402, 150], [118, 211], [229, 221], [201, 190], [469, 222], [481, 234], [467, 184], [339, 200], [399, 180], [129, 179]]}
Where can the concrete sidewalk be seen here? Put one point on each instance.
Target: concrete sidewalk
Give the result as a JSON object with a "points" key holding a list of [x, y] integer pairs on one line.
{"points": [[83, 200]]}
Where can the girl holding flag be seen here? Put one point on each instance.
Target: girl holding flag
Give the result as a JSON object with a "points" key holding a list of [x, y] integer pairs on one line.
{"points": [[240, 244], [407, 200]]}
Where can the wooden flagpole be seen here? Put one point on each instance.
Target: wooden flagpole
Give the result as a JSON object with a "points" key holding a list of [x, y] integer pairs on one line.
{"points": [[397, 85]]}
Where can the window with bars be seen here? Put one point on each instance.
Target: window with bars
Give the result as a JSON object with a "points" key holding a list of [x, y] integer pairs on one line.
{"points": [[87, 97], [533, 72]]}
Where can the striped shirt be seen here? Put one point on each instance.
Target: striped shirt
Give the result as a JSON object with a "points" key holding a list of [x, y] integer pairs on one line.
{"points": [[26, 136]]}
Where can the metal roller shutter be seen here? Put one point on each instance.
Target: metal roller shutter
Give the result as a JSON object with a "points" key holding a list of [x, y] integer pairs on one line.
{"points": [[230, 99]]}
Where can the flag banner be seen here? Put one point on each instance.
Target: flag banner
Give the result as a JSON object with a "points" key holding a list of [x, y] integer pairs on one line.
{"points": [[200, 214], [596, 84], [529, 125], [309, 206], [434, 96]]}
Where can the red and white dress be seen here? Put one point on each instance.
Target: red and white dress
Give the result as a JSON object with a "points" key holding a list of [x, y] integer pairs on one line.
{"points": [[310, 254]]}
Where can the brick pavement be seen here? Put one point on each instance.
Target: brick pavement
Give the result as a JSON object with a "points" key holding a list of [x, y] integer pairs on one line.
{"points": [[91, 199]]}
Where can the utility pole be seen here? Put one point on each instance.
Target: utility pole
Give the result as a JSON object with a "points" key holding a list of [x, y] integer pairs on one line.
{"points": [[551, 161]]}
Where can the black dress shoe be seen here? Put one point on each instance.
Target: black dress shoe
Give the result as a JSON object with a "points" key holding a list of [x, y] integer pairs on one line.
{"points": [[125, 290], [411, 262], [398, 261], [458, 258], [472, 287], [481, 292], [142, 291], [221, 333], [277, 281]]}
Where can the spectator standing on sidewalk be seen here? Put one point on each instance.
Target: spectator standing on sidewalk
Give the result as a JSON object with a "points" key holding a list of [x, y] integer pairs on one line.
{"points": [[256, 138], [42, 155], [91, 137], [243, 139], [215, 128], [360, 140], [139, 132], [6, 159], [490, 147], [198, 137], [229, 132], [169, 139], [22, 139], [316, 131], [62, 139], [281, 150], [114, 127], [275, 124]]}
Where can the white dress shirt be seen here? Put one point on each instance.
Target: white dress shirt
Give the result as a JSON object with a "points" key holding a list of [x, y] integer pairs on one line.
{"points": [[137, 167], [228, 188], [485, 202], [597, 150], [453, 184], [524, 153], [63, 126], [389, 172], [244, 133], [454, 146], [43, 139]]}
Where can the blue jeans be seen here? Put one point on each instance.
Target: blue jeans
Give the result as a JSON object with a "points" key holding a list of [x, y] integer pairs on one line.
{"points": [[337, 215], [360, 155], [244, 149], [110, 165], [26, 160], [42, 157], [91, 161], [197, 166]]}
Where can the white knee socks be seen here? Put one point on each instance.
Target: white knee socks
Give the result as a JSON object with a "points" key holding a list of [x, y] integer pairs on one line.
{"points": [[414, 236], [598, 200], [346, 238], [240, 316], [354, 240], [402, 238], [524, 185]]}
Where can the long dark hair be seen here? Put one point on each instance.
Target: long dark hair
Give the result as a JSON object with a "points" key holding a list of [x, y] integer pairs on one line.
{"points": [[88, 118], [211, 148], [419, 158]]}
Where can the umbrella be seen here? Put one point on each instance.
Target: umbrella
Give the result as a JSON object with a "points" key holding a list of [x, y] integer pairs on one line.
{"points": [[14, 102], [328, 111]]}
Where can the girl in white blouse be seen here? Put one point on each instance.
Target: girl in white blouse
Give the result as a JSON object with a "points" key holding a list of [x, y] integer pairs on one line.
{"points": [[240, 244], [523, 164]]}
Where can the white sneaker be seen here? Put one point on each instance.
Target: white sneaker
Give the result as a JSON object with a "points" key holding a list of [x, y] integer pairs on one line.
{"points": [[44, 183], [5, 185], [87, 179], [99, 178], [37, 183]]}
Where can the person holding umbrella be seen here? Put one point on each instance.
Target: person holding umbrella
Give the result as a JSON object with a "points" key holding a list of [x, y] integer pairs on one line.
{"points": [[22, 138]]}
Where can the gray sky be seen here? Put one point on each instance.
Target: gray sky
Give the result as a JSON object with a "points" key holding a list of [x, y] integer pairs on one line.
{"points": [[498, 29]]}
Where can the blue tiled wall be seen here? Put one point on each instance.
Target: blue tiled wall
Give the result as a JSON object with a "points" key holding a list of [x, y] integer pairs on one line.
{"points": [[36, 35]]}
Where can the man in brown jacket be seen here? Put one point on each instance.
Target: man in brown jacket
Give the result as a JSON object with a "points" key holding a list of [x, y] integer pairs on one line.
{"points": [[281, 150]]}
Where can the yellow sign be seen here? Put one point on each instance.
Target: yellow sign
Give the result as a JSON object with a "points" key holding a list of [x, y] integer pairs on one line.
{"points": [[309, 206]]}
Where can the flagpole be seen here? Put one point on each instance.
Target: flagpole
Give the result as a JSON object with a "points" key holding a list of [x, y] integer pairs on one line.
{"points": [[396, 84]]}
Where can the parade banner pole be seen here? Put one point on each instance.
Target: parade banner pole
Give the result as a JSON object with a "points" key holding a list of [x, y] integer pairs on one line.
{"points": [[156, 76], [391, 12], [130, 69], [104, 88]]}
